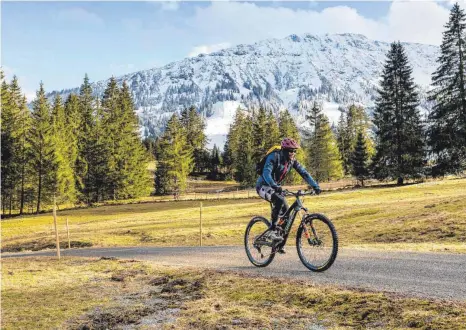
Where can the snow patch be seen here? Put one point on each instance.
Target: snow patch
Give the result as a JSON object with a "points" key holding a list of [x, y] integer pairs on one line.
{"points": [[218, 125]]}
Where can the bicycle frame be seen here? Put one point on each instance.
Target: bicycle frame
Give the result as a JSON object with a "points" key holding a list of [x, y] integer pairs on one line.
{"points": [[291, 214]]}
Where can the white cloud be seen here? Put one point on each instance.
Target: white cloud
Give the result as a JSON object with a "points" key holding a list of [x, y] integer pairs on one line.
{"points": [[79, 15], [207, 49], [411, 21]]}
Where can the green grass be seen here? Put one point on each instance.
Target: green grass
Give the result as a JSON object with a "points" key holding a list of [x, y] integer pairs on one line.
{"points": [[424, 217], [80, 293]]}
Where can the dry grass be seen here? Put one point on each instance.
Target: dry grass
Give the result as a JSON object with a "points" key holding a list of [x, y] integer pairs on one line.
{"points": [[423, 217], [86, 293]]}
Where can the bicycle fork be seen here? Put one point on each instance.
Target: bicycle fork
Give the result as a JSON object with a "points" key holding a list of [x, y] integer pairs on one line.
{"points": [[316, 240]]}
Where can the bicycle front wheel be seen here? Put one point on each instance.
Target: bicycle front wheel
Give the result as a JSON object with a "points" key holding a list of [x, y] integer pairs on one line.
{"points": [[258, 248], [317, 242]]}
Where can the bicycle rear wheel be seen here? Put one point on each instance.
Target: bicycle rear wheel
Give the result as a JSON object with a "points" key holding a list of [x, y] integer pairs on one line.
{"points": [[258, 248], [317, 242]]}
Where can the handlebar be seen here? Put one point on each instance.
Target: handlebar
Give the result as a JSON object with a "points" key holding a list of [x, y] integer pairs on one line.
{"points": [[298, 193]]}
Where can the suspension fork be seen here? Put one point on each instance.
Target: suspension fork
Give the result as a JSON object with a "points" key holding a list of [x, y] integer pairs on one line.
{"points": [[306, 231], [308, 235]]}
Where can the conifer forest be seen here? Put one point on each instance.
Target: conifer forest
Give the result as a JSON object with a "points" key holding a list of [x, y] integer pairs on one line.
{"points": [[86, 150]]}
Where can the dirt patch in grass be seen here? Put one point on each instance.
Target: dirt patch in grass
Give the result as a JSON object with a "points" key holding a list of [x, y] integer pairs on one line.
{"points": [[128, 294], [157, 301], [43, 244], [239, 301]]}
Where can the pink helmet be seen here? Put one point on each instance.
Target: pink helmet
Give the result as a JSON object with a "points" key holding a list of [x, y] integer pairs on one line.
{"points": [[288, 143]]}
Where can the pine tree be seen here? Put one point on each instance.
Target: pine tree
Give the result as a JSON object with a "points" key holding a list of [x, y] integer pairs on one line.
{"points": [[312, 117], [195, 125], [288, 128], [358, 121], [226, 156], [215, 162], [65, 189], [24, 122], [272, 137], [244, 158], [447, 131], [133, 160], [86, 142], [43, 149], [232, 144], [175, 160], [110, 138], [8, 168], [344, 142], [324, 157], [259, 125], [399, 137], [359, 159], [63, 177], [99, 179], [15, 148], [349, 126], [73, 126]]}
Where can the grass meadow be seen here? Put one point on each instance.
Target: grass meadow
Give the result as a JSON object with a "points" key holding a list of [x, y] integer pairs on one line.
{"points": [[107, 293], [429, 216]]}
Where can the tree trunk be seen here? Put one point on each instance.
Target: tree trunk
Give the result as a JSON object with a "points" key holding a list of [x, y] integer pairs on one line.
{"points": [[3, 204], [39, 190], [11, 198], [21, 205], [463, 94]]}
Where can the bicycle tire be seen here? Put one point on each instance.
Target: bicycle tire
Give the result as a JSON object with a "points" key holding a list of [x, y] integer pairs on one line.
{"points": [[246, 246], [333, 255]]}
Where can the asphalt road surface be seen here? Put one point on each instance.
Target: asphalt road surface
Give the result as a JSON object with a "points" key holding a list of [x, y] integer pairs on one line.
{"points": [[428, 275]]}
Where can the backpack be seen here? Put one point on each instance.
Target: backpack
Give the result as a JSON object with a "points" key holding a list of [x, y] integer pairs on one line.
{"points": [[261, 163]]}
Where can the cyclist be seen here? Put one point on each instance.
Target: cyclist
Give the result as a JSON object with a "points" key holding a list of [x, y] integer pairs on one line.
{"points": [[277, 165]]}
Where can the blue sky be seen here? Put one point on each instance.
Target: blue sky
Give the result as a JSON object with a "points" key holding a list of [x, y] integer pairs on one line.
{"points": [[58, 42]]}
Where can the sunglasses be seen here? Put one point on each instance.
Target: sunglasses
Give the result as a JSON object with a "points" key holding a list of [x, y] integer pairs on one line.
{"points": [[292, 151]]}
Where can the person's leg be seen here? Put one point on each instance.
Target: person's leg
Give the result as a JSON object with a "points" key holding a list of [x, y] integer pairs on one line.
{"points": [[280, 208], [279, 203], [266, 192]]}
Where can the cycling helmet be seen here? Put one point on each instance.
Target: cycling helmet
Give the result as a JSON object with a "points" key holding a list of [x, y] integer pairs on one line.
{"points": [[288, 143]]}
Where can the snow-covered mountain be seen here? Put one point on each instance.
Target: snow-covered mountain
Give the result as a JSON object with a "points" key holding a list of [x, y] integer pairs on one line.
{"points": [[276, 73]]}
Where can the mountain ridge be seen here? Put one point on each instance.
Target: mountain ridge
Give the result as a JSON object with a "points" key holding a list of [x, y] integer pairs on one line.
{"points": [[291, 72]]}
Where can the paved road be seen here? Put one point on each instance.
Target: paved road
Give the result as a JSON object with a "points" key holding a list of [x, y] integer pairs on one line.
{"points": [[415, 274]]}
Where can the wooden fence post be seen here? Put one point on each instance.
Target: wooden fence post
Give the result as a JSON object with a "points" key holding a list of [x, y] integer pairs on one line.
{"points": [[55, 224]]}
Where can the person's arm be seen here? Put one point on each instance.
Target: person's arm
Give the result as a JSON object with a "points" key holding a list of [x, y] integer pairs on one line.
{"points": [[305, 175], [268, 170]]}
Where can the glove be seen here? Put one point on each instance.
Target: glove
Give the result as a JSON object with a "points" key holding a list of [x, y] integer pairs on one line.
{"points": [[317, 190], [278, 189]]}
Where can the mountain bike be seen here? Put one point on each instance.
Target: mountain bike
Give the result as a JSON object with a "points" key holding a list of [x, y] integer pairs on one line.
{"points": [[316, 237]]}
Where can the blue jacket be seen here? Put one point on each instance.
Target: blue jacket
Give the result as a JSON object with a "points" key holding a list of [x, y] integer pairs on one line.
{"points": [[274, 168]]}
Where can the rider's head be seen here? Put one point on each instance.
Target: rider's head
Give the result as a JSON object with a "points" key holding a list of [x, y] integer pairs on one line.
{"points": [[289, 147]]}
